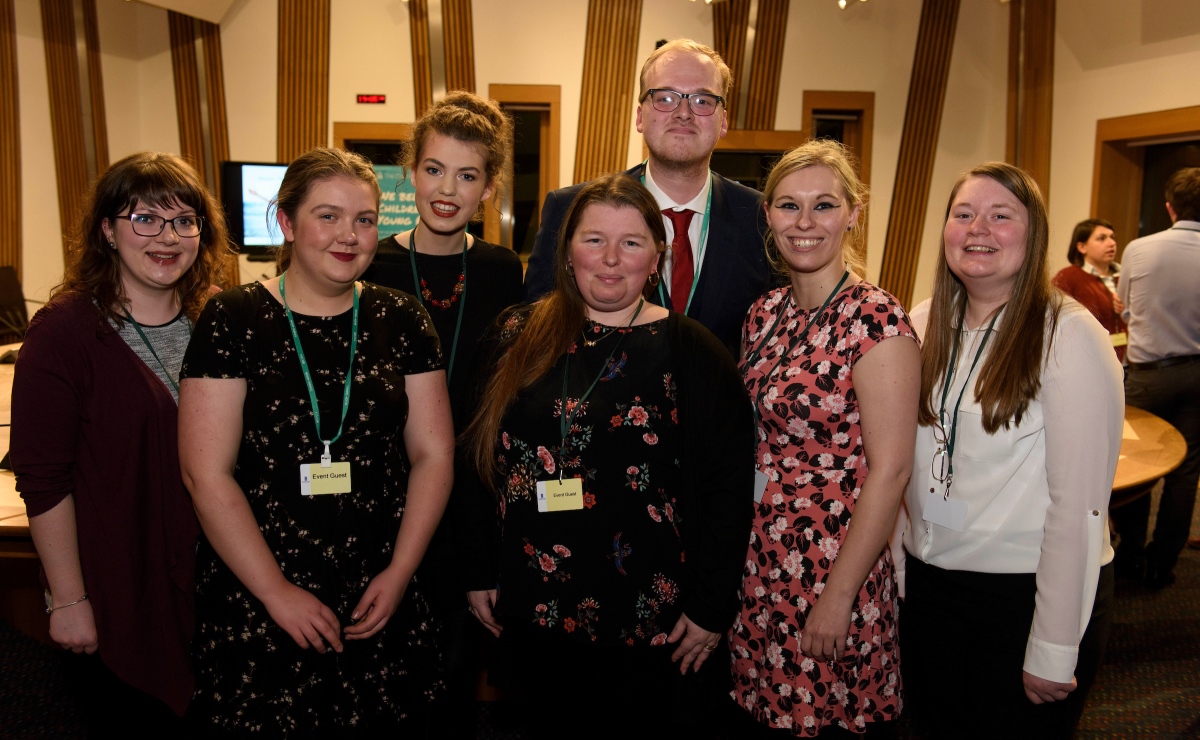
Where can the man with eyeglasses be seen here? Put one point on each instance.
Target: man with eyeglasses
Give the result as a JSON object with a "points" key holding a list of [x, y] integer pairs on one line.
{"points": [[714, 267]]}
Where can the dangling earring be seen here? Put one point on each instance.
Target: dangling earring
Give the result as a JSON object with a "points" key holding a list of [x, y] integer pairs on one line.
{"points": [[654, 278], [570, 269]]}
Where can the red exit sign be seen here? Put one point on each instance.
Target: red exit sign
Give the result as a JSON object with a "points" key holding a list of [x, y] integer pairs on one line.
{"points": [[372, 99]]}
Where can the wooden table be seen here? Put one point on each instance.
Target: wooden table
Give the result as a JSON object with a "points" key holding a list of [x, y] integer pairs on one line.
{"points": [[1150, 449]]}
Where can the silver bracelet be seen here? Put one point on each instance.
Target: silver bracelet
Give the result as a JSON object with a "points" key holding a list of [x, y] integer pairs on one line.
{"points": [[50, 607]]}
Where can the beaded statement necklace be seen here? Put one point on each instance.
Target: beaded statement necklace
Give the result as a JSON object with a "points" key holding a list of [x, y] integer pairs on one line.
{"points": [[426, 293]]}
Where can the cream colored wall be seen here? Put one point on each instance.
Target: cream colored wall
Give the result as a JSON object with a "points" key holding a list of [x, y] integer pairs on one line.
{"points": [[823, 51], [249, 55], [525, 42], [370, 52], [41, 245], [1085, 94], [974, 119]]}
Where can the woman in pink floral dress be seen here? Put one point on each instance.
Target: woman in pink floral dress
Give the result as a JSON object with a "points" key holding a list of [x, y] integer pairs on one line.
{"points": [[833, 368]]}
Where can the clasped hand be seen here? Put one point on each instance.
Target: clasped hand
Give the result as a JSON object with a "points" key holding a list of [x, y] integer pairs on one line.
{"points": [[313, 624]]}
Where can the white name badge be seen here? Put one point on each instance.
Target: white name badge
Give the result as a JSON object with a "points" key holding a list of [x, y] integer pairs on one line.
{"points": [[946, 512], [560, 495], [318, 480], [760, 485]]}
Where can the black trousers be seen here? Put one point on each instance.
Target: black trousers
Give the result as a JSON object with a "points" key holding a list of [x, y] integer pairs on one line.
{"points": [[962, 648]]}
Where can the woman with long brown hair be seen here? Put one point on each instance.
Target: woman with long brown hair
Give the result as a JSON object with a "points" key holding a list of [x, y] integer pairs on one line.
{"points": [[94, 439], [616, 437], [1008, 573]]}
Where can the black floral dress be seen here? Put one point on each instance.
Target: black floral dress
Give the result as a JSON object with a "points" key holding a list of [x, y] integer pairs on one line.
{"points": [[810, 447], [610, 572], [251, 675]]}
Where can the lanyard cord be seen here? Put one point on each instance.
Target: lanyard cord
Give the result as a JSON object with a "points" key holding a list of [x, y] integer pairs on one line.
{"points": [[462, 299], [755, 353], [312, 393], [565, 418], [949, 378], [662, 295], [146, 341]]}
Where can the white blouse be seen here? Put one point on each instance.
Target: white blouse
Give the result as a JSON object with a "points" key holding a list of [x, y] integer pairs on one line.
{"points": [[1036, 493]]}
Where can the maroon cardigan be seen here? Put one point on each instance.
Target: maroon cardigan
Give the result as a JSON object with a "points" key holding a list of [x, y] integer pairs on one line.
{"points": [[92, 421], [1095, 297]]}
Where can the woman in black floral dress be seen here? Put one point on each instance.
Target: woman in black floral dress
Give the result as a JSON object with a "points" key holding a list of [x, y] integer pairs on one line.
{"points": [[316, 440], [617, 438]]}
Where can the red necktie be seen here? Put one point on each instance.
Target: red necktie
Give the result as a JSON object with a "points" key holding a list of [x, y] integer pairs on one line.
{"points": [[683, 269]]}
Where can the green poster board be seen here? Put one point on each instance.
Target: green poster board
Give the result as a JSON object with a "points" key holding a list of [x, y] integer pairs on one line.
{"points": [[398, 206]]}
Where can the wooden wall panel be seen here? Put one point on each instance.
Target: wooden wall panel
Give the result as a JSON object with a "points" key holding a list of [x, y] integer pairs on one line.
{"points": [[10, 141], [770, 29], [1031, 87], [918, 145], [609, 72], [66, 110], [418, 24], [214, 79], [303, 118], [460, 45], [187, 89], [91, 30], [730, 20]]}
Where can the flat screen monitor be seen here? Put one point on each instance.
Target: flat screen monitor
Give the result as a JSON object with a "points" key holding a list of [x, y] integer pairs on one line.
{"points": [[247, 189]]}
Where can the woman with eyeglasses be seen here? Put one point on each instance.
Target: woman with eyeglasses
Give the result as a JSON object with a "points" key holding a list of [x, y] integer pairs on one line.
{"points": [[1008, 571], [94, 440], [316, 440], [832, 367]]}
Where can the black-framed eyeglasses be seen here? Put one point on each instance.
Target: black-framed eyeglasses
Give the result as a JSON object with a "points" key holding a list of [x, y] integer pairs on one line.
{"points": [[148, 224], [666, 101]]}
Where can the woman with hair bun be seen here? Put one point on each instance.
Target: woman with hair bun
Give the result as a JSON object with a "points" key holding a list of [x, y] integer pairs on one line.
{"points": [[94, 440]]}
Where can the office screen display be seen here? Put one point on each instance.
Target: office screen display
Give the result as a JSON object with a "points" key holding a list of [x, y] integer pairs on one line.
{"points": [[246, 190]]}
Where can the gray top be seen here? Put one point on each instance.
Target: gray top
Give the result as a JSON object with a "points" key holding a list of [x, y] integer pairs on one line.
{"points": [[170, 341], [1159, 289]]}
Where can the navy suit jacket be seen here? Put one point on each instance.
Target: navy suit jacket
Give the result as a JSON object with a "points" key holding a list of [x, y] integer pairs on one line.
{"points": [[734, 272]]}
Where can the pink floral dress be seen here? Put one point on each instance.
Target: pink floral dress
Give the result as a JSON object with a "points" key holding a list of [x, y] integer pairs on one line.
{"points": [[810, 447]]}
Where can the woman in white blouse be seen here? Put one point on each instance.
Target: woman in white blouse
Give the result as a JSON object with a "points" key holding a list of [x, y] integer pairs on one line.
{"points": [[1008, 573]]}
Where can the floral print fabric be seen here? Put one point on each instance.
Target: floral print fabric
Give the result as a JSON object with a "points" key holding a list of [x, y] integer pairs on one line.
{"points": [[251, 675], [810, 447], [610, 573]]}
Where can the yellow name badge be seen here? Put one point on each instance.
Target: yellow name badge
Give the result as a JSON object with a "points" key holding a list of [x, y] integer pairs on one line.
{"points": [[1120, 339], [316, 480], [560, 495]]}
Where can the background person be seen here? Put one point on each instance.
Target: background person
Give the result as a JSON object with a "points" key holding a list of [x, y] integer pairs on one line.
{"points": [[1007, 576], [94, 440], [833, 368], [635, 419], [1159, 291], [714, 268], [309, 620], [456, 161], [1092, 278]]}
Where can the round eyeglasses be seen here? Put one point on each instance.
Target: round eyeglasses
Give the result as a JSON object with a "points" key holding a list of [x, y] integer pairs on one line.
{"points": [[666, 101], [148, 224]]}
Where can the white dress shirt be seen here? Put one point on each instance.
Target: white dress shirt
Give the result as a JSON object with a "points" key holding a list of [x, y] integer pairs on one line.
{"points": [[1160, 293], [695, 226], [1037, 493]]}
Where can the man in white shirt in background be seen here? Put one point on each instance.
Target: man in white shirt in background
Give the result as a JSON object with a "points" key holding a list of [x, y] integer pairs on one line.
{"points": [[1160, 287]]}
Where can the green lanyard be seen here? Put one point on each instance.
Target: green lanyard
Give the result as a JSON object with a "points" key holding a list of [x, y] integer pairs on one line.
{"points": [[755, 353], [949, 378], [662, 296], [146, 341], [565, 418], [462, 299], [326, 459]]}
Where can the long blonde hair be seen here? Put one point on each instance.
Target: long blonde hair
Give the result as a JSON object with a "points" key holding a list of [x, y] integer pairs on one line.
{"points": [[1011, 375], [555, 320]]}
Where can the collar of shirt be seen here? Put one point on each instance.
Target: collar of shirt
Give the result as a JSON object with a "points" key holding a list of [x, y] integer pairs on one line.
{"points": [[696, 204], [1114, 269]]}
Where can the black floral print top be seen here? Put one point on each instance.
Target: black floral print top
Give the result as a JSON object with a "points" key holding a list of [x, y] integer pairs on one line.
{"points": [[251, 675]]}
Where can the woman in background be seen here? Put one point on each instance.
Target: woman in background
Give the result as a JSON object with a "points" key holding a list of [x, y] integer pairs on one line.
{"points": [[94, 440], [317, 443], [833, 369], [1092, 277], [1008, 575], [616, 437]]}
